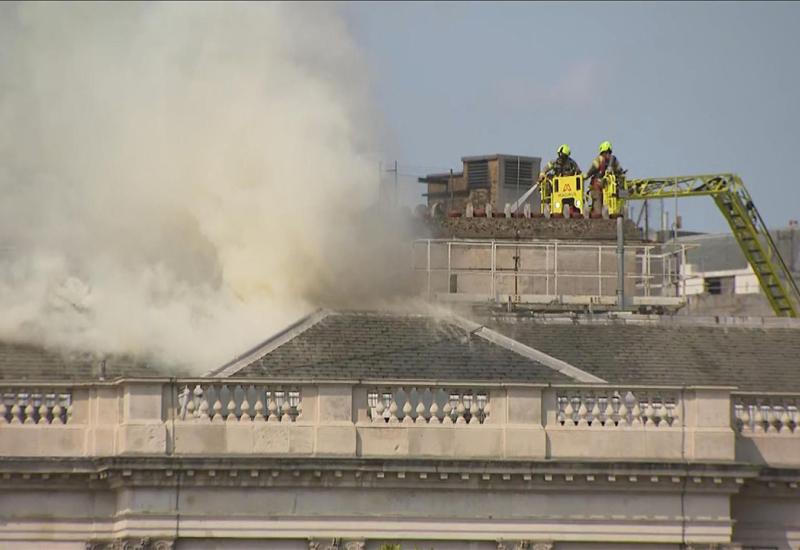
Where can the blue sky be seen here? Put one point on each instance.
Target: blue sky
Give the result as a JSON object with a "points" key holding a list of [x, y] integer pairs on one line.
{"points": [[679, 88]]}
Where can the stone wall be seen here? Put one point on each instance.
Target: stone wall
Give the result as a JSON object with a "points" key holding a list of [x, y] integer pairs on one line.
{"points": [[163, 464], [530, 228]]}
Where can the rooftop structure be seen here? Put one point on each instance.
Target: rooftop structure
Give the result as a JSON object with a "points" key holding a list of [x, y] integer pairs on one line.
{"points": [[486, 179]]}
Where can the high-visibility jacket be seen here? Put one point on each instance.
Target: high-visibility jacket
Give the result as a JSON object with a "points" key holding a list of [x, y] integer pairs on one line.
{"points": [[600, 164], [562, 166]]}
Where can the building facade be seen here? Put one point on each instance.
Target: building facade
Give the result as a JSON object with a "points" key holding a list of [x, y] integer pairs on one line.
{"points": [[356, 430]]}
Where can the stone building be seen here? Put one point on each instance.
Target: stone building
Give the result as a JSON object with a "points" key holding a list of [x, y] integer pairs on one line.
{"points": [[352, 430], [486, 179]]}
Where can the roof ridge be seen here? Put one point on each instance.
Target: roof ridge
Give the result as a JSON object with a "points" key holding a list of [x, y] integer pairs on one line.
{"points": [[526, 351], [378, 313]]}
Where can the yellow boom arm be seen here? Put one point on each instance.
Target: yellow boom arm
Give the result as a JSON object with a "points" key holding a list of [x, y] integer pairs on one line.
{"points": [[733, 200]]}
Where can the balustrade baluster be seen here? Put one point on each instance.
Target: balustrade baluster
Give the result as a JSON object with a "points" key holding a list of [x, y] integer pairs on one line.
{"points": [[197, 399], [623, 415], [421, 412], [407, 411], [649, 415], [191, 409], [595, 414], [272, 407], [661, 413], [230, 410], [16, 413], [379, 410], [785, 420], [758, 419], [772, 419], [217, 411], [609, 415], [259, 409], [245, 410], [636, 415], [447, 411], [473, 412], [57, 412], [434, 411], [745, 416], [43, 414], [583, 412], [568, 412], [202, 410], [460, 410], [29, 410]]}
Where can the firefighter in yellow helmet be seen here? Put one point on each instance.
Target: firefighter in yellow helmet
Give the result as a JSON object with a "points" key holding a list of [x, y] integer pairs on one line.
{"points": [[563, 165], [604, 162]]}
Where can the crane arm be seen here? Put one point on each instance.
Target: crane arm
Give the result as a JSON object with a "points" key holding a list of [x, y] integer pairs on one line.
{"points": [[747, 226]]}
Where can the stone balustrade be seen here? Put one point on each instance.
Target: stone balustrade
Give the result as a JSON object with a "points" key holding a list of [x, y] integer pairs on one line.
{"points": [[618, 408], [767, 428], [239, 403], [397, 420], [428, 405], [767, 414], [35, 406]]}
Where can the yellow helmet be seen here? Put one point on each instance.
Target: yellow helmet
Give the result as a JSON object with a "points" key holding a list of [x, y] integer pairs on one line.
{"points": [[564, 150], [605, 146]]}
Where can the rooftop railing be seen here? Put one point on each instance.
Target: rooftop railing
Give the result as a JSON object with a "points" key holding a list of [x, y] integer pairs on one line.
{"points": [[546, 271]]}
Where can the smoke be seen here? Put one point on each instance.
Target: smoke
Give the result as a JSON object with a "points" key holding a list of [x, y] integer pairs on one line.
{"points": [[179, 181]]}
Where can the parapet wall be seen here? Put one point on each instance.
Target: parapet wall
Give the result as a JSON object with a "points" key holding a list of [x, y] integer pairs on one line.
{"points": [[530, 228]]}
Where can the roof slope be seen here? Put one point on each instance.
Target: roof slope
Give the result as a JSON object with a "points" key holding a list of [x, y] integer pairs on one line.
{"points": [[29, 362], [667, 353], [391, 346]]}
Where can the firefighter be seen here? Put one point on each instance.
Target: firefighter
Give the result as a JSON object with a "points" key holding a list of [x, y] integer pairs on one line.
{"points": [[604, 162], [563, 165]]}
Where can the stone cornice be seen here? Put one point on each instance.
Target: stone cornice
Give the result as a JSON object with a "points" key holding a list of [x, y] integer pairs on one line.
{"points": [[110, 473]]}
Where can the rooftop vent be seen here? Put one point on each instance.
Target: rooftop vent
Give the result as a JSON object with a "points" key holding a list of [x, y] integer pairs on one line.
{"points": [[478, 173]]}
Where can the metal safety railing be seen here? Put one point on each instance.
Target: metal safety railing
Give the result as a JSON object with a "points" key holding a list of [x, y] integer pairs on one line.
{"points": [[495, 270]]}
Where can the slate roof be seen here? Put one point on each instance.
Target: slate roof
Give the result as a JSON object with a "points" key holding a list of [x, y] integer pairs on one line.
{"points": [[361, 346], [390, 346], [667, 353], [30, 362]]}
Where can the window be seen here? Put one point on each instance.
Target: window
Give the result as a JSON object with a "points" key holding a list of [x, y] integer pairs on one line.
{"points": [[713, 285], [720, 285]]}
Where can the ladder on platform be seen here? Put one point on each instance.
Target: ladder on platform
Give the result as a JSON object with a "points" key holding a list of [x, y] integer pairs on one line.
{"points": [[749, 230]]}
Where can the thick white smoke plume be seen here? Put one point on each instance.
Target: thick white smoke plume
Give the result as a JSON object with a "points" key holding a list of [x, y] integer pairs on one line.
{"points": [[180, 180]]}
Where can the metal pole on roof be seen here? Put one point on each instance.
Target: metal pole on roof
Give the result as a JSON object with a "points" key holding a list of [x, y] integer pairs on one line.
{"points": [[380, 183], [452, 194], [620, 265]]}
